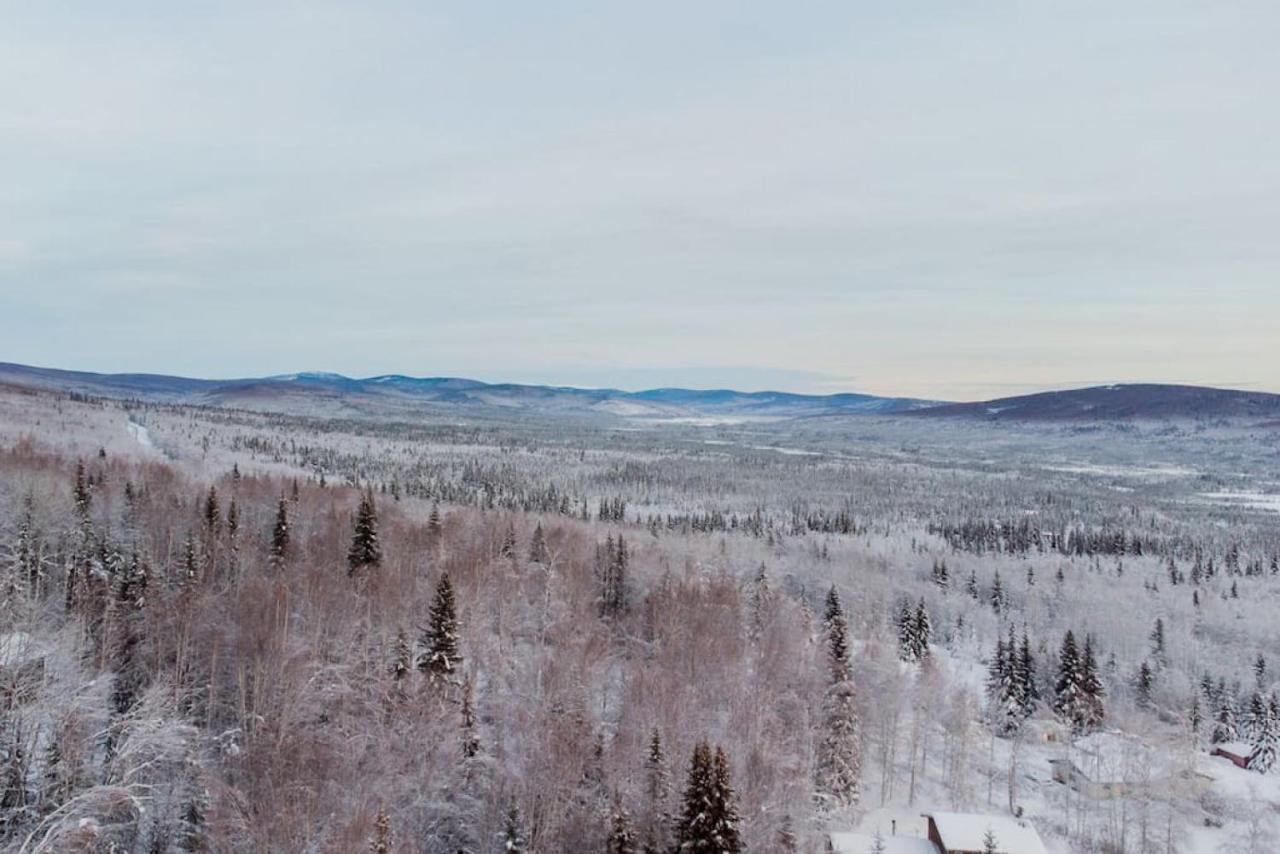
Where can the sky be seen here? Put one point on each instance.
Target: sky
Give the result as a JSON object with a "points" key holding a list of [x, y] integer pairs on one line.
{"points": [[944, 200]]}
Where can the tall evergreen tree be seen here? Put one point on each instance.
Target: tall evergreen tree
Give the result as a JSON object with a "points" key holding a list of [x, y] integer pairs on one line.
{"points": [[839, 766], [365, 550], [1143, 685], [709, 821], [622, 837], [512, 833], [538, 552], [381, 841], [1068, 693], [440, 655], [280, 535]]}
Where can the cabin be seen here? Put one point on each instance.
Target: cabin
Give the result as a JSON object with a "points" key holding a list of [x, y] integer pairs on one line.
{"points": [[864, 843], [1238, 752], [1069, 774], [965, 833]]}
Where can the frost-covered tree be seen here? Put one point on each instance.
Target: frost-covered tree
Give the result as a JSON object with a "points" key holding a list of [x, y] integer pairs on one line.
{"points": [[622, 837], [381, 841], [440, 655], [365, 550], [538, 552], [1266, 743], [709, 821], [280, 534], [513, 841], [839, 765]]}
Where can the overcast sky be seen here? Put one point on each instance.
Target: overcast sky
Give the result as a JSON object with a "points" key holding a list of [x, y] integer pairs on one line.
{"points": [[941, 199]]}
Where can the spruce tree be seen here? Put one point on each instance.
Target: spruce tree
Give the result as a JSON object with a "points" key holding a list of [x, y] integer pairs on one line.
{"points": [[989, 843], [1091, 684], [657, 792], [922, 635], [512, 835], [470, 738], [1143, 685], [538, 546], [365, 551], [440, 655], [1267, 742], [1068, 700], [622, 837], [709, 821], [381, 841], [280, 535], [1158, 653], [839, 766]]}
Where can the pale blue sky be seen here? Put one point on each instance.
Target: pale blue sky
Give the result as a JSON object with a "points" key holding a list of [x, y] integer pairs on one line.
{"points": [[937, 199]]}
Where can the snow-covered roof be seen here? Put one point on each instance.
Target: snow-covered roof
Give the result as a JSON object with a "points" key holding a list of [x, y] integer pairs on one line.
{"points": [[965, 832], [1235, 748], [861, 843]]}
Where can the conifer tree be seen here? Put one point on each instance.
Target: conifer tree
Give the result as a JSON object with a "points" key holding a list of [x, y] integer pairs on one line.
{"points": [[613, 578], [1143, 684], [381, 841], [833, 609], [839, 766], [709, 821], [622, 837], [1028, 683], [365, 551], [470, 737], [508, 549], [512, 835], [1266, 744], [1091, 684], [922, 635], [1068, 700], [212, 512], [538, 546], [657, 792], [434, 526], [402, 657], [990, 845], [1158, 653], [280, 535], [941, 577], [440, 655], [998, 598]]}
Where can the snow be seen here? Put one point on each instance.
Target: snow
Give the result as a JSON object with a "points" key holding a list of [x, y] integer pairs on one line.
{"points": [[1236, 748], [140, 434], [1246, 500], [965, 832], [1153, 472], [861, 843]]}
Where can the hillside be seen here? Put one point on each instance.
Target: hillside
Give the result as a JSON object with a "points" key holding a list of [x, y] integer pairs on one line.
{"points": [[1119, 402]]}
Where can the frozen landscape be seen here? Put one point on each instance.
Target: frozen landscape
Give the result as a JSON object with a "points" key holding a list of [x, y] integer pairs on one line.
{"points": [[727, 427], [223, 627]]}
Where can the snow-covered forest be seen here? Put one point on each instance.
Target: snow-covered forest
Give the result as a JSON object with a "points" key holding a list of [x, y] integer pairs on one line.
{"points": [[226, 630]]}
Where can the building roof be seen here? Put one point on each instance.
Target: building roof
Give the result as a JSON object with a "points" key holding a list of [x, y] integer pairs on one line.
{"points": [[860, 843], [965, 832], [1235, 748]]}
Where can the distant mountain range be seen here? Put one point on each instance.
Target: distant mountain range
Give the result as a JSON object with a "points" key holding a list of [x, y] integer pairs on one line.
{"points": [[395, 395], [398, 395]]}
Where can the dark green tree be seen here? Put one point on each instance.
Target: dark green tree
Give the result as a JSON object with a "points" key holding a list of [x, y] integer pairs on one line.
{"points": [[365, 551]]}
